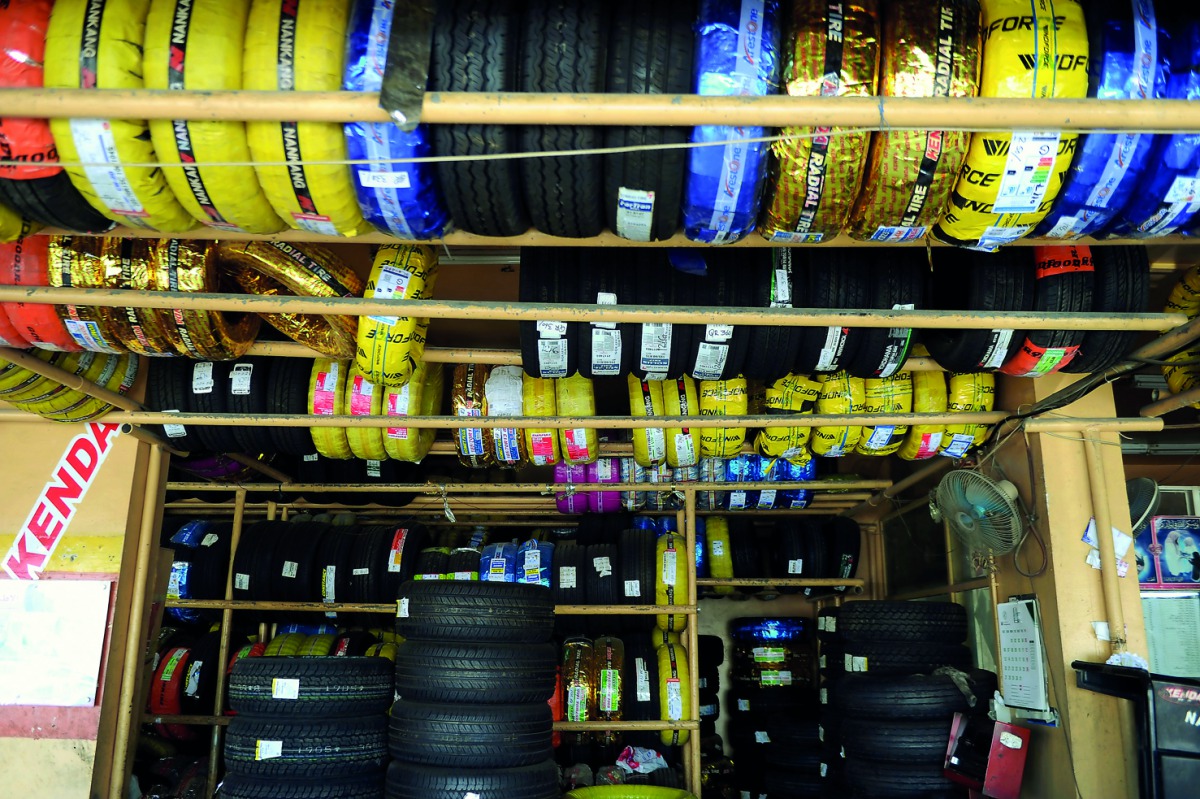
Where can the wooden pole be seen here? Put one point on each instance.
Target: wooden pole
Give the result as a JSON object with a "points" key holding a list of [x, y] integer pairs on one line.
{"points": [[142, 434], [692, 761], [68, 379], [1172, 402], [214, 752], [1110, 580], [518, 108], [135, 642], [567, 312]]}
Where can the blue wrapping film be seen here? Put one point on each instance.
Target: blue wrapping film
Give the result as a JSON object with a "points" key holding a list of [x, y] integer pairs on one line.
{"points": [[1129, 61], [398, 199], [790, 471], [180, 584], [499, 563], [297, 628], [1166, 198], [701, 549], [666, 524], [535, 560], [644, 523], [743, 469], [751, 631], [737, 54], [711, 470]]}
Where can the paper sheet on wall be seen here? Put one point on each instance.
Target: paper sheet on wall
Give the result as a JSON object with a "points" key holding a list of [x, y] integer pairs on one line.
{"points": [[1173, 632], [51, 640]]}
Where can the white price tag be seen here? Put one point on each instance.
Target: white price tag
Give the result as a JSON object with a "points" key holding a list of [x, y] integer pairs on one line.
{"points": [[674, 700], [552, 357], [290, 568], [606, 352], [202, 377], [633, 589], [550, 329], [710, 361], [1027, 172], [655, 356], [603, 566], [635, 214], [402, 608], [268, 750], [669, 567], [718, 333], [384, 180], [241, 582], [567, 577], [285, 689], [239, 379], [796, 566]]}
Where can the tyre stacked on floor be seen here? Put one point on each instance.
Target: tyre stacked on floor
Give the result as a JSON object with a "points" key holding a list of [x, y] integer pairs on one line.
{"points": [[773, 711], [307, 728], [473, 682], [896, 673]]}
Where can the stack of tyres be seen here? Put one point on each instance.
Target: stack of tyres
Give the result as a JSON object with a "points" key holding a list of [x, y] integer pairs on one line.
{"points": [[906, 673], [307, 726], [473, 681], [772, 725], [711, 656]]}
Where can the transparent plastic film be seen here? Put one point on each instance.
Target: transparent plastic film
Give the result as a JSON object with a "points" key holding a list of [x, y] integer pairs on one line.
{"points": [[840, 393], [197, 45], [790, 394], [467, 398], [886, 395], [299, 45], [98, 45], [1011, 179], [145, 331], [723, 398], [968, 393], [503, 392], [834, 52], [538, 399], [929, 396], [389, 347], [926, 52]]}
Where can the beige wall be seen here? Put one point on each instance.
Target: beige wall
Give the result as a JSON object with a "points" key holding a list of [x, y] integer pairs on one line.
{"points": [[46, 751]]}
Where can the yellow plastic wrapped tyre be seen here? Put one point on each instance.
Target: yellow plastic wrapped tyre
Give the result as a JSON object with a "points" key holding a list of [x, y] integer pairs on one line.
{"points": [[390, 347], [674, 691], [1184, 298], [629, 792], [299, 45], [815, 178], [1010, 180], [649, 443], [670, 580], [660, 638], [20, 384], [538, 399], [576, 396], [840, 393], [213, 34], [89, 366], [122, 380], [788, 395], [969, 393], [927, 52], [680, 398], [929, 396], [723, 398], [92, 45], [279, 268], [384, 650], [317, 646], [720, 556], [327, 397], [13, 227], [286, 645], [503, 391], [364, 398], [422, 396], [886, 395], [467, 398]]}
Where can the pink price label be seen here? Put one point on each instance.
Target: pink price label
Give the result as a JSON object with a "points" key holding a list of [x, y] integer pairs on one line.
{"points": [[577, 446], [323, 399], [360, 401]]}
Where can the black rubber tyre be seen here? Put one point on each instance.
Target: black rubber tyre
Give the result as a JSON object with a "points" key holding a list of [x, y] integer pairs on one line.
{"points": [[827, 620], [712, 651], [254, 374], [1122, 285], [167, 389], [832, 279], [463, 563], [971, 281], [475, 50], [215, 438], [603, 583], [746, 553], [639, 681], [237, 786], [793, 784], [383, 559], [476, 674], [407, 781], [55, 202], [772, 349], [563, 48], [897, 741], [915, 696], [449, 610], [650, 52], [549, 274], [252, 561], [898, 281], [890, 657], [331, 686], [653, 285], [845, 545], [832, 661], [601, 274], [882, 620], [800, 547], [637, 552], [287, 392], [333, 559], [200, 687], [470, 736], [294, 563], [342, 747], [876, 780], [722, 286], [432, 563], [567, 586], [1068, 292]]}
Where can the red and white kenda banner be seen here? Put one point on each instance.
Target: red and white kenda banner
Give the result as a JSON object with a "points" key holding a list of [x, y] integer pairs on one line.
{"points": [[60, 499]]}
